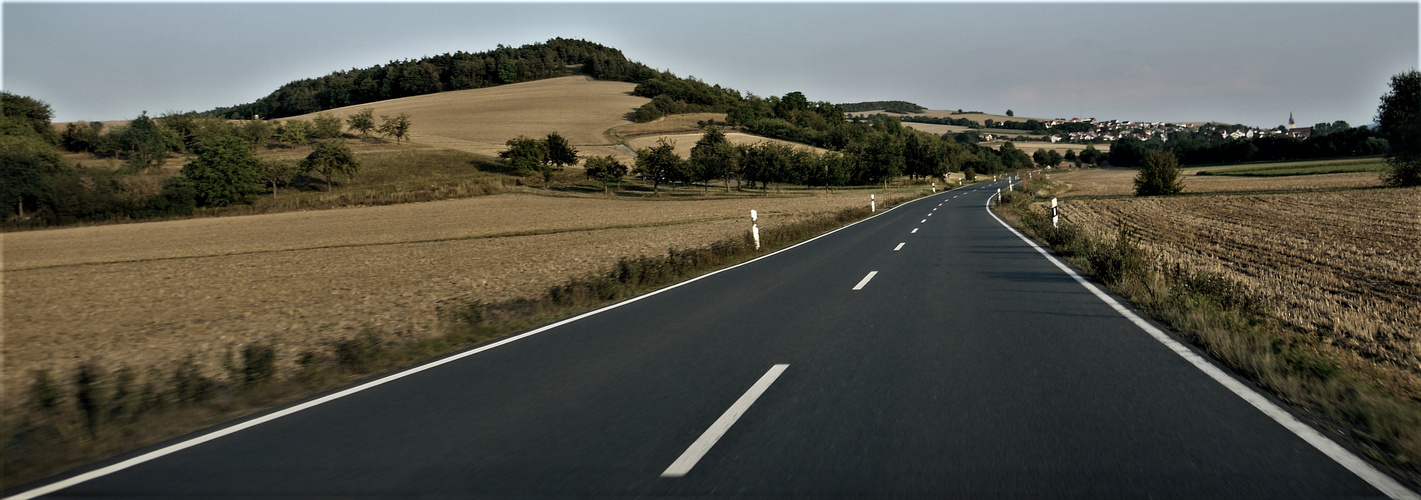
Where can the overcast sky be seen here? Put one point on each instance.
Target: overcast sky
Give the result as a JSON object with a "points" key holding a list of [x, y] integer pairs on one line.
{"points": [[1236, 63]]}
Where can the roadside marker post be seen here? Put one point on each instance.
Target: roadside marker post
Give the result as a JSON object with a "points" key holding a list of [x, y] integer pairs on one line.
{"points": [[755, 228], [999, 196], [872, 204], [934, 187], [1055, 219]]}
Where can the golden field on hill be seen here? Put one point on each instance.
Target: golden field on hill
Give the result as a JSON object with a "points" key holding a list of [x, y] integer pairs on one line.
{"points": [[148, 294], [1343, 266], [481, 120]]}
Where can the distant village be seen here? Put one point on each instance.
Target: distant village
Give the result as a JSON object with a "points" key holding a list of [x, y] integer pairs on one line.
{"points": [[1110, 130]]}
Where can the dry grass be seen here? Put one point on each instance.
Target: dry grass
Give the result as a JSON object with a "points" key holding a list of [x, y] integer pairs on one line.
{"points": [[148, 294], [1119, 182], [1342, 266]]}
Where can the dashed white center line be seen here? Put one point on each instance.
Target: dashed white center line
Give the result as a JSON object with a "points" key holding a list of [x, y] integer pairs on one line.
{"points": [[865, 279], [703, 444], [900, 246], [915, 230], [922, 221]]}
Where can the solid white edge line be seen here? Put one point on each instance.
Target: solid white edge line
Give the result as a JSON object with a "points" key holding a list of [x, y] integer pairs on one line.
{"points": [[1379, 480], [703, 444], [176, 447], [900, 246], [865, 280]]}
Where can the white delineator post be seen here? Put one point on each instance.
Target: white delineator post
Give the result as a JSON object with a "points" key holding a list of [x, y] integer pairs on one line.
{"points": [[755, 228], [872, 204], [1055, 220], [999, 196], [934, 187]]}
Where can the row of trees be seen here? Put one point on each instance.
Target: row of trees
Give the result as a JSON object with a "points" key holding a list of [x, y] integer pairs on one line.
{"points": [[1201, 148], [455, 71], [889, 151], [530, 156]]}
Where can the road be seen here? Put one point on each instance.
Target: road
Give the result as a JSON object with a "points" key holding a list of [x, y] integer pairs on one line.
{"points": [[966, 365]]}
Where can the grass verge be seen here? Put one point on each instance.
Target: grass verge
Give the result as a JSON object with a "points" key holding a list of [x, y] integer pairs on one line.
{"points": [[1366, 406], [94, 412]]}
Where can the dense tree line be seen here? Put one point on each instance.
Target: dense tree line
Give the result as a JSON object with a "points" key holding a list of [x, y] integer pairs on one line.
{"points": [[450, 71], [40, 188], [1204, 147], [942, 120], [900, 107]]}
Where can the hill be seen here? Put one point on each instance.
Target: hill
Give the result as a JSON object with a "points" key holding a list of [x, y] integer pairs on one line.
{"points": [[445, 72], [481, 120]]}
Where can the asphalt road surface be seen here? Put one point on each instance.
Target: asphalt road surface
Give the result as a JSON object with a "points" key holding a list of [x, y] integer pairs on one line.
{"points": [[927, 351]]}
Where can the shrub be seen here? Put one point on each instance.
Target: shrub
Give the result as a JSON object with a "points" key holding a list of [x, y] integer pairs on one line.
{"points": [[258, 364], [1159, 175]]}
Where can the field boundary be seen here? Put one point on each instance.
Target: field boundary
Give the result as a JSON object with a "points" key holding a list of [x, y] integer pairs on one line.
{"points": [[1364, 470], [381, 380]]}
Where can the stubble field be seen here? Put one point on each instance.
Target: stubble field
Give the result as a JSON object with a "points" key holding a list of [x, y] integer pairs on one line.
{"points": [[481, 120], [1343, 266], [147, 295], [1120, 182]]}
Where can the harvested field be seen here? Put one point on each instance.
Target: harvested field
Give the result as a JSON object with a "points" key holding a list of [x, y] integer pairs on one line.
{"points": [[684, 142], [1119, 182], [481, 120], [1344, 266], [933, 128], [669, 125], [152, 293]]}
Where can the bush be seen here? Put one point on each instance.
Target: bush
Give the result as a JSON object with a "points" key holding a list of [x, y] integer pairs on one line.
{"points": [[1159, 175], [360, 353], [224, 172], [258, 364]]}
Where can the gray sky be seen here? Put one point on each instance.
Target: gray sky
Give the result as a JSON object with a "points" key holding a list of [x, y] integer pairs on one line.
{"points": [[1236, 63]]}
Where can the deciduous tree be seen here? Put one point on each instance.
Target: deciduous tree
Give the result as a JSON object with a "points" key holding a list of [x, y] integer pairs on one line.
{"points": [[560, 152], [325, 126], [331, 157], [1399, 118], [605, 169], [362, 121], [1159, 175], [275, 172], [395, 126], [659, 164], [713, 157], [224, 172]]}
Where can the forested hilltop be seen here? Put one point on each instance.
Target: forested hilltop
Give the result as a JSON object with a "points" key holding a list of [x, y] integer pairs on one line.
{"points": [[456, 71]]}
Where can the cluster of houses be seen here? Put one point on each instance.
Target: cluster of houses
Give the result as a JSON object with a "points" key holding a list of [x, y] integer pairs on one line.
{"points": [[1110, 130]]}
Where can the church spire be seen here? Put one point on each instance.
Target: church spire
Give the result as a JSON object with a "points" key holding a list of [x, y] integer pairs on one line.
{"points": [[1290, 120]]}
